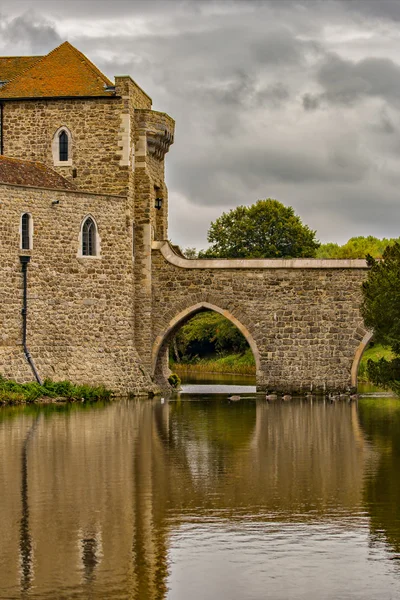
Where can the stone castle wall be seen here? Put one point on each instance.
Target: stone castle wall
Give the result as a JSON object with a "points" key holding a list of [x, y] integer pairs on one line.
{"points": [[102, 139], [29, 128], [80, 310]]}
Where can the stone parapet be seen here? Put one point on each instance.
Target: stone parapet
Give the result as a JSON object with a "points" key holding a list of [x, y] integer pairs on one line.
{"points": [[178, 260]]}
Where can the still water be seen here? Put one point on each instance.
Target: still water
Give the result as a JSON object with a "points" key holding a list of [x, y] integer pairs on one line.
{"points": [[200, 498]]}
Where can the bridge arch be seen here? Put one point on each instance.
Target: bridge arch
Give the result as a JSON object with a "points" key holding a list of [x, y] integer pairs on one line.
{"points": [[358, 356], [160, 347]]}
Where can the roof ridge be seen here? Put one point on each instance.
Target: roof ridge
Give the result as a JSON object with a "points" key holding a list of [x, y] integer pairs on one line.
{"points": [[31, 66], [88, 64], [84, 60]]}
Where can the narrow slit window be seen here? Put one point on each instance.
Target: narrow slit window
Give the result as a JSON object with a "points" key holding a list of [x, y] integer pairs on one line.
{"points": [[63, 140], [89, 238], [26, 231]]}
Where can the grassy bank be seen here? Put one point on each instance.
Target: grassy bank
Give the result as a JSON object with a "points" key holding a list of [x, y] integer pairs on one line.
{"points": [[241, 364], [373, 352], [12, 392]]}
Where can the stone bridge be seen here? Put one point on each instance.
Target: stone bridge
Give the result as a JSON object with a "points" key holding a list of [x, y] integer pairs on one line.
{"points": [[301, 317]]}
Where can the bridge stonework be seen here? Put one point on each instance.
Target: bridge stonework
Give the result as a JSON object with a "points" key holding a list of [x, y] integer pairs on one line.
{"points": [[301, 317]]}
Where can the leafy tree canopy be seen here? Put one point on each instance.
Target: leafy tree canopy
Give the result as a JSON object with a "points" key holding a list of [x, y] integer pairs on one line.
{"points": [[266, 229], [356, 247], [381, 312]]}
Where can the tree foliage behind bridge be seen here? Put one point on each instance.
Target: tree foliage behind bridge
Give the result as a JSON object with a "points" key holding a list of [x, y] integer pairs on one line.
{"points": [[208, 334], [381, 312], [266, 229], [356, 247]]}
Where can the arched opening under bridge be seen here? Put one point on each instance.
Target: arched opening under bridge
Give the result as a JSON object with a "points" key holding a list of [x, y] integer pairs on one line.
{"points": [[160, 353], [358, 356]]}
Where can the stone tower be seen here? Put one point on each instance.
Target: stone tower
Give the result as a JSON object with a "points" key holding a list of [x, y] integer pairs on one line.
{"points": [[102, 138]]}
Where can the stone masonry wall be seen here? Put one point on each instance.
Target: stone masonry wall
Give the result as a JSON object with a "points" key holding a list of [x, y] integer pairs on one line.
{"points": [[306, 323], [95, 124], [80, 310]]}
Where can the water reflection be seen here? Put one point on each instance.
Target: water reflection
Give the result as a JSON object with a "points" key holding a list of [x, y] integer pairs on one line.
{"points": [[201, 497]]}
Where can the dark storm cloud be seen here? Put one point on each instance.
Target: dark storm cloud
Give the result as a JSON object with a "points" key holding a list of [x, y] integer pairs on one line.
{"points": [[345, 81], [294, 99], [40, 33], [311, 102]]}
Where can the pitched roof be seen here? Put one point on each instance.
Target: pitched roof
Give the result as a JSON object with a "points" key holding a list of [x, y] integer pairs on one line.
{"points": [[63, 72], [11, 66], [15, 171]]}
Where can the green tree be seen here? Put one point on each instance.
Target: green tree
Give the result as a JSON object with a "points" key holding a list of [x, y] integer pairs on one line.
{"points": [[381, 312], [190, 253], [266, 229], [356, 247]]}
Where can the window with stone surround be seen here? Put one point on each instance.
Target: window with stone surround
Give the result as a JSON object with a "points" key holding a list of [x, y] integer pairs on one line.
{"points": [[26, 231], [89, 238], [62, 147]]}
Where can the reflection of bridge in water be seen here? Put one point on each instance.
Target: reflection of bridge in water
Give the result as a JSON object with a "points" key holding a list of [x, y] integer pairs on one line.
{"points": [[103, 489]]}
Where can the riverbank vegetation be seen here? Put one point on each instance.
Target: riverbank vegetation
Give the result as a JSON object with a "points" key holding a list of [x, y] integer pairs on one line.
{"points": [[380, 310], [12, 392], [211, 343], [374, 352]]}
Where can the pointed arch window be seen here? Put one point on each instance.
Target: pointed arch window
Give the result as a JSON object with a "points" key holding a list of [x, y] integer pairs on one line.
{"points": [[89, 235], [63, 146], [26, 231]]}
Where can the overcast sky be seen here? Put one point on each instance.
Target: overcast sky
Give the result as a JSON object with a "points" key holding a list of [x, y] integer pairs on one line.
{"points": [[294, 100]]}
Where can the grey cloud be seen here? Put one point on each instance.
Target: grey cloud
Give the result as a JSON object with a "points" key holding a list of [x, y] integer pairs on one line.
{"points": [[345, 82], [386, 124], [237, 175], [33, 30], [381, 9], [310, 102]]}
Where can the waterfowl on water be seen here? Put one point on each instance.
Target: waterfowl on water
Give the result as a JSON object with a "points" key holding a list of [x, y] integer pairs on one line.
{"points": [[354, 397], [234, 398], [333, 397], [271, 397], [286, 397]]}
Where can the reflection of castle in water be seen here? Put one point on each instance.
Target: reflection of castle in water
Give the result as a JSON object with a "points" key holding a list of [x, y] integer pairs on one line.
{"points": [[104, 488]]}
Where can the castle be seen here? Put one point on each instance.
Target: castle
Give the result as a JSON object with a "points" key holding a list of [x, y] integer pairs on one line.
{"points": [[91, 291]]}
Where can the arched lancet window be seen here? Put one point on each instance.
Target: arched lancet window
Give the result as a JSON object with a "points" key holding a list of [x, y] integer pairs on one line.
{"points": [[26, 231], [63, 146], [89, 238]]}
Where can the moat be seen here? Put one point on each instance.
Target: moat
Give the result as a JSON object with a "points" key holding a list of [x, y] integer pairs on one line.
{"points": [[202, 498]]}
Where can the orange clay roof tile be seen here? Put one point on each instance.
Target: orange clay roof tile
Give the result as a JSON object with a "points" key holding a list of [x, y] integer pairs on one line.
{"points": [[14, 171], [11, 66], [63, 72]]}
